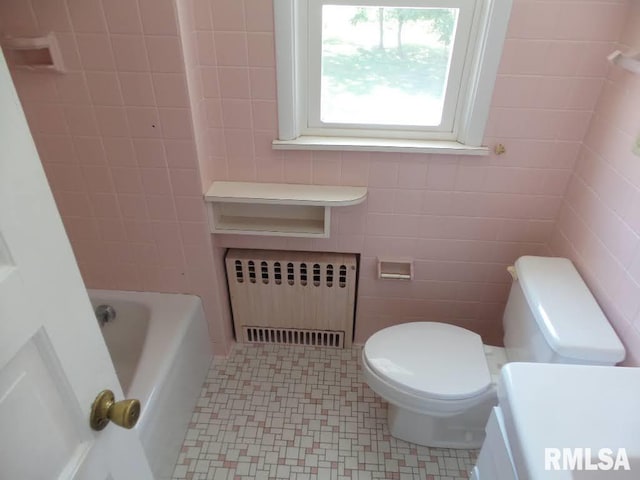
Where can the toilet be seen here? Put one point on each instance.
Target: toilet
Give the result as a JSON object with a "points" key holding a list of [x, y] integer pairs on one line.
{"points": [[440, 380]]}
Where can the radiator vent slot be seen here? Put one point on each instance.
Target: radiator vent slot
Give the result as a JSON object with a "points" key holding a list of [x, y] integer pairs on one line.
{"points": [[252, 271], [303, 274], [273, 272], [297, 298], [293, 336], [239, 274], [291, 275], [277, 274], [343, 276]]}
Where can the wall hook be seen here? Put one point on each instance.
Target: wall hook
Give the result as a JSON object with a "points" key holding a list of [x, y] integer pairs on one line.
{"points": [[629, 61]]}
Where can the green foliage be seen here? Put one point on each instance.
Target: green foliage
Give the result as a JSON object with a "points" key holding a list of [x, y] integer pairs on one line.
{"points": [[362, 15], [441, 19], [443, 23]]}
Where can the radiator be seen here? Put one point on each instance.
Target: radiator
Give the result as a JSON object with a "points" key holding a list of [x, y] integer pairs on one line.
{"points": [[297, 298]]}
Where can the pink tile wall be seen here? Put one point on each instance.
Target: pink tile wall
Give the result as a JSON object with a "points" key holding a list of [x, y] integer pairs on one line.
{"points": [[462, 219], [115, 137], [599, 222], [188, 18], [153, 93]]}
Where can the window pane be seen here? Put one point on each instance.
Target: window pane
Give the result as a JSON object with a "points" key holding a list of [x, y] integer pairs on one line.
{"points": [[384, 65]]}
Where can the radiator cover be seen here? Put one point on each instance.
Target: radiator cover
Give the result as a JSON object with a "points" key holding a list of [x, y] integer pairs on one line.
{"points": [[300, 298]]}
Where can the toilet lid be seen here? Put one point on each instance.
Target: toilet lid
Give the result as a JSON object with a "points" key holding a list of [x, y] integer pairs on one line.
{"points": [[430, 359]]}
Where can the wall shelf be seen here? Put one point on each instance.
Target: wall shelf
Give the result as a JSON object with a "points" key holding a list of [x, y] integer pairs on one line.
{"points": [[276, 209], [33, 53]]}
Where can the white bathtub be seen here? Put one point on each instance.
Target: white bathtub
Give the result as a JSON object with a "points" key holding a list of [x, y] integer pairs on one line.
{"points": [[160, 347]]}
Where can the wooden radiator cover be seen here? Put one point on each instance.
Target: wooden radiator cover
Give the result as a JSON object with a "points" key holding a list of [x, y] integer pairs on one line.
{"points": [[281, 296]]}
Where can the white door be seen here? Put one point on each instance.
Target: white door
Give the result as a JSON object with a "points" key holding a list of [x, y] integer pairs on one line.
{"points": [[53, 361]]}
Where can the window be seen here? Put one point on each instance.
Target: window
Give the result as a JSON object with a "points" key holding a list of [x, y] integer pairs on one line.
{"points": [[387, 74]]}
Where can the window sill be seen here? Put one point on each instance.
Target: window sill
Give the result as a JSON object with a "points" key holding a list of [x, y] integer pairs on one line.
{"points": [[362, 144]]}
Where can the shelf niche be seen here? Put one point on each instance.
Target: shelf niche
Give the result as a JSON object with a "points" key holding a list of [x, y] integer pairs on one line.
{"points": [[288, 210]]}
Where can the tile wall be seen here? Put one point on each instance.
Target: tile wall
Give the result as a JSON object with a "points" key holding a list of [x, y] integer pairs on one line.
{"points": [[153, 109], [115, 135], [599, 223], [462, 219]]}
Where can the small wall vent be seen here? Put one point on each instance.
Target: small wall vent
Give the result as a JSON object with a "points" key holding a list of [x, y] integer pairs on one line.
{"points": [[298, 298]]}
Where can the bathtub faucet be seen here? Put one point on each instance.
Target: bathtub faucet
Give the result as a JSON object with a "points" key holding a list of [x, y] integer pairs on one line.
{"points": [[104, 314]]}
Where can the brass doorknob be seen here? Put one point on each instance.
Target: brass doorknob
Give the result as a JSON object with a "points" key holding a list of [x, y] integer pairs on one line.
{"points": [[124, 413]]}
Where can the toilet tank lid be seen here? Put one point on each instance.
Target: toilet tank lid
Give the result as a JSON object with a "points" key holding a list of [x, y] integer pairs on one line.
{"points": [[567, 313]]}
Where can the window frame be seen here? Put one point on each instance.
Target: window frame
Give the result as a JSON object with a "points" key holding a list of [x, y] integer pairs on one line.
{"points": [[483, 51], [450, 113]]}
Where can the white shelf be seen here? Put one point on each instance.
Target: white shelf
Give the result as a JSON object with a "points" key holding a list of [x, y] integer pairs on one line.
{"points": [[276, 209], [285, 194]]}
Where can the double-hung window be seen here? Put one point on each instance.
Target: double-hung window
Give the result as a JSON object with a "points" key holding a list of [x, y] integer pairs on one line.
{"points": [[387, 74]]}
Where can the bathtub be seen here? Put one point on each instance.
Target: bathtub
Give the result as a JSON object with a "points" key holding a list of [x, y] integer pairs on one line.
{"points": [[160, 347]]}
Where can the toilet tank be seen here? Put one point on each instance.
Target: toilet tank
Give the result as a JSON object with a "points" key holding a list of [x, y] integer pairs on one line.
{"points": [[551, 316]]}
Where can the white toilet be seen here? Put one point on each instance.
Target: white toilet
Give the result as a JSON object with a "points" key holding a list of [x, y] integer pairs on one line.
{"points": [[440, 380]]}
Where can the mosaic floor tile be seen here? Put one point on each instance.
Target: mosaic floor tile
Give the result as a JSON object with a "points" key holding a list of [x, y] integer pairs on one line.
{"points": [[280, 412]]}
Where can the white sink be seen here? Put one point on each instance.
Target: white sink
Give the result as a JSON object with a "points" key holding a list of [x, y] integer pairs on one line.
{"points": [[570, 406]]}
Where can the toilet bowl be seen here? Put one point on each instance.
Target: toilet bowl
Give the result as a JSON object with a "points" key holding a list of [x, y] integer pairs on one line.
{"points": [[440, 380]]}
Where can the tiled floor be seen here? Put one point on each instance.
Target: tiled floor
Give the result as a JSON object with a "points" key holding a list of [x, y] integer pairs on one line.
{"points": [[301, 413]]}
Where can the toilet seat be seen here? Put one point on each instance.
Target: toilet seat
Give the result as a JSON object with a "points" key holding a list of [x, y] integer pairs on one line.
{"points": [[429, 360]]}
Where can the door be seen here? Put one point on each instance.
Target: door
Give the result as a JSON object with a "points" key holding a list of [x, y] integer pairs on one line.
{"points": [[53, 361]]}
